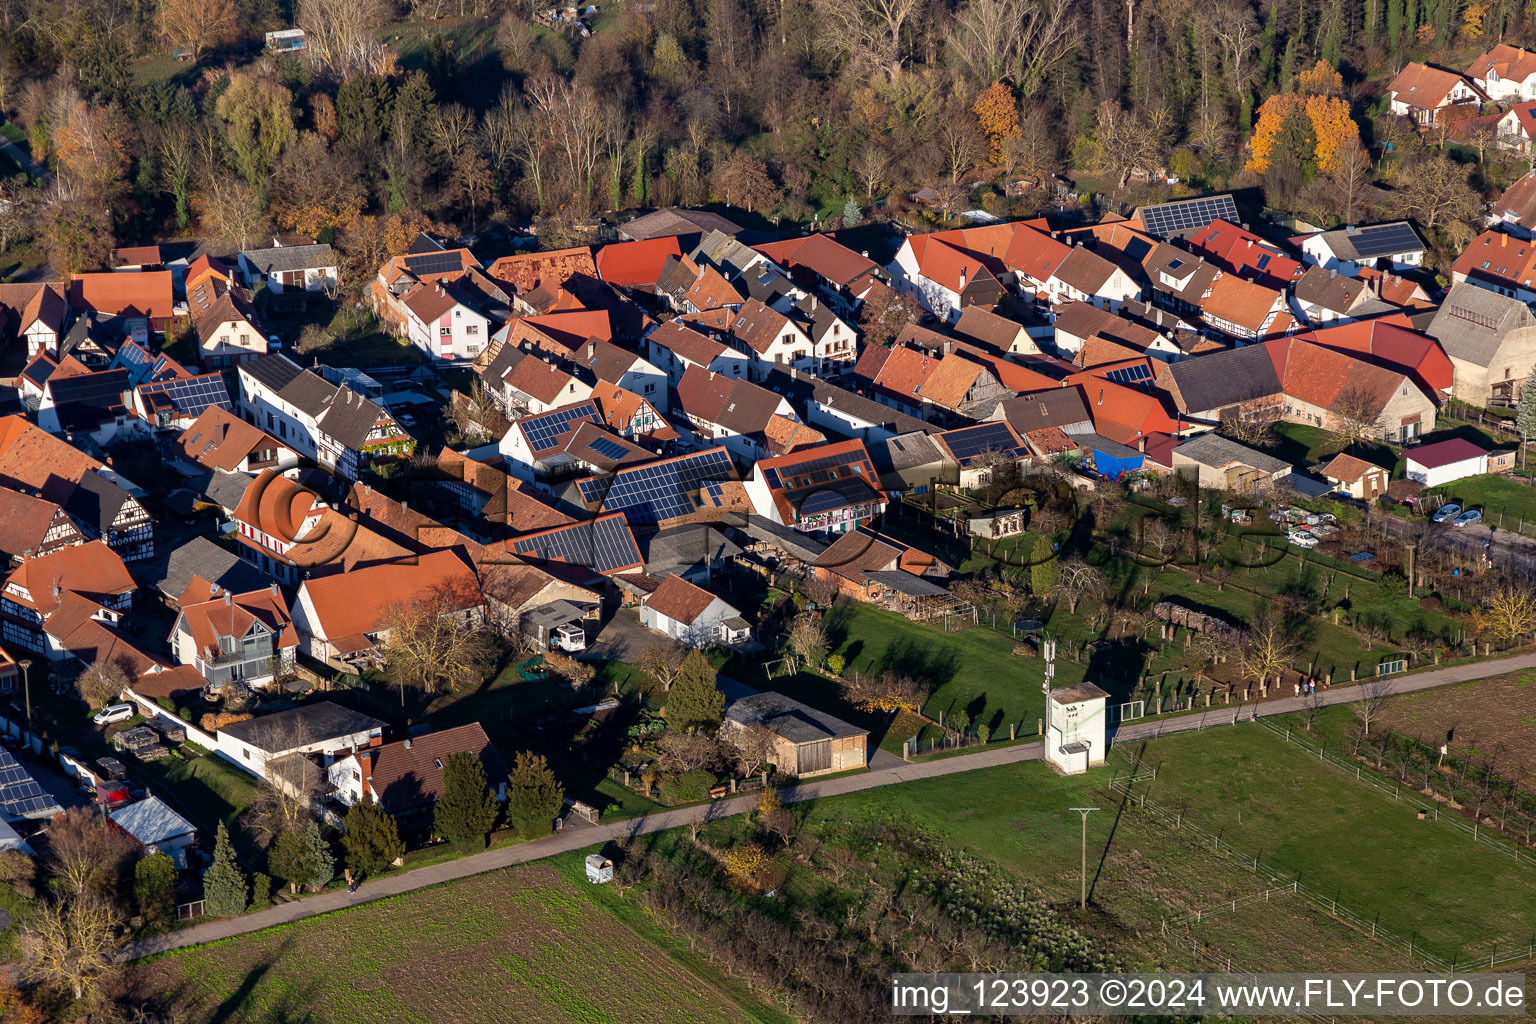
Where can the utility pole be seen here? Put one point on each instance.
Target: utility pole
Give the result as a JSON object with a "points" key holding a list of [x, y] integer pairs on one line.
{"points": [[26, 683], [1083, 898]]}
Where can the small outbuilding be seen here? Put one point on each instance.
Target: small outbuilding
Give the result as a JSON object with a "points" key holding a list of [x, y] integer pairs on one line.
{"points": [[1356, 477], [157, 828], [1222, 463], [1444, 461], [693, 615], [805, 741]]}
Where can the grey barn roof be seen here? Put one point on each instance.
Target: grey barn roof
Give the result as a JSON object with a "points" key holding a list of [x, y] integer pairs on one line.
{"points": [[301, 726], [904, 582], [287, 258], [1225, 378], [1211, 449], [202, 557], [1472, 322], [796, 722]]}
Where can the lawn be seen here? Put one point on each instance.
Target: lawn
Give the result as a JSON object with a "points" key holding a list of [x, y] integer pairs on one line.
{"points": [[209, 788], [1141, 872], [971, 670], [1270, 799], [529, 944]]}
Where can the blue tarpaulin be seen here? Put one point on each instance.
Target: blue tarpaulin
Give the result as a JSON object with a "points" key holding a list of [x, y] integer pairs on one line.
{"points": [[1114, 466]]}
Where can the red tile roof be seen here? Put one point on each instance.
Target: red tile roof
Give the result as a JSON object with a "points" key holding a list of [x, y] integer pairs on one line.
{"points": [[207, 621], [679, 600], [1500, 258], [636, 264], [130, 293], [351, 604], [530, 270], [1393, 346], [408, 774], [218, 439], [92, 570], [1444, 453], [822, 256]]}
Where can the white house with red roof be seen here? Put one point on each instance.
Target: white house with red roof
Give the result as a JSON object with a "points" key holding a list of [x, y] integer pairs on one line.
{"points": [[943, 275], [1421, 92], [1517, 128], [692, 615], [443, 320], [831, 488], [1505, 72], [1444, 461], [674, 347]]}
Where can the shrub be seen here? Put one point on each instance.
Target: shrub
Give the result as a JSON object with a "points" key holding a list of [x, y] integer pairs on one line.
{"points": [[155, 887], [835, 664], [694, 785], [185, 714], [216, 720], [261, 889], [1394, 585]]}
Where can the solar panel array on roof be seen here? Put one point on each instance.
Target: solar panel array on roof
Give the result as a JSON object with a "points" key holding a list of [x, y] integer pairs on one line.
{"points": [[20, 795], [543, 431], [433, 263], [1130, 374], [608, 448], [603, 544], [811, 471], [663, 490], [99, 389], [1384, 240], [832, 494], [191, 395], [969, 442], [1188, 215]]}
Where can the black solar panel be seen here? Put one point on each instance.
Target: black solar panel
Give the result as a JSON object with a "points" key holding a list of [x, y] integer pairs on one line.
{"points": [[658, 491], [969, 442], [13, 775], [833, 494], [102, 388], [608, 448], [603, 544], [1188, 215], [772, 476], [1384, 240], [810, 471], [191, 395], [543, 431], [1130, 374], [433, 263]]}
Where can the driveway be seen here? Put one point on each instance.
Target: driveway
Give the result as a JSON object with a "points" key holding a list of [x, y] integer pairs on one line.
{"points": [[625, 639]]}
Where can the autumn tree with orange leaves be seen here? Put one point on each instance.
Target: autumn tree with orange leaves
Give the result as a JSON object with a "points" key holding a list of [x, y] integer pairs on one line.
{"points": [[1326, 116], [998, 118]]}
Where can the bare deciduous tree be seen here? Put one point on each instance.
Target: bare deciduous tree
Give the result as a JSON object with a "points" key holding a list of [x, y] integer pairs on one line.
{"points": [[752, 746], [1369, 704], [1076, 580], [85, 851], [1015, 41], [71, 943], [1270, 647], [434, 646]]}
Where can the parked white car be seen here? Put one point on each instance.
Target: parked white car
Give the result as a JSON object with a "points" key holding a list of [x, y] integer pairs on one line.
{"points": [[1302, 539], [113, 713]]}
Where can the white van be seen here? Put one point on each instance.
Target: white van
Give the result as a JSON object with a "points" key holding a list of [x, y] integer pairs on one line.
{"points": [[113, 713]]}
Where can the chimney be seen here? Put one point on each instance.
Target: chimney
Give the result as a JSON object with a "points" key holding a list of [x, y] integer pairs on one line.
{"points": [[794, 374], [407, 743], [591, 350], [962, 279], [228, 598], [813, 303], [947, 346], [376, 740], [275, 591], [1503, 242]]}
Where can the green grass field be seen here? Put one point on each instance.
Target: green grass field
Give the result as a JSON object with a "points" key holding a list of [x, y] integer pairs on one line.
{"points": [[1338, 836], [1266, 798], [211, 789], [527, 944]]}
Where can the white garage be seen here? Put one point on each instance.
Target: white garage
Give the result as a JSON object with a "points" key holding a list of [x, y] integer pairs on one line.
{"points": [[1444, 461]]}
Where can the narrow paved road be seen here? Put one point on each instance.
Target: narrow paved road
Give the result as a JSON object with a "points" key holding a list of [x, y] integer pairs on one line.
{"points": [[885, 771]]}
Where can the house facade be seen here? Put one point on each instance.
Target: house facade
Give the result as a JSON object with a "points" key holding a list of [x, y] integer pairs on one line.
{"points": [[237, 638]]}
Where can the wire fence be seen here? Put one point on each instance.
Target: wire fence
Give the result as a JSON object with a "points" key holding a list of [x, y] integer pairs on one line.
{"points": [[1479, 832], [1491, 954]]}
